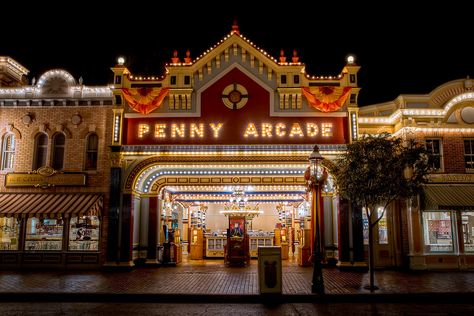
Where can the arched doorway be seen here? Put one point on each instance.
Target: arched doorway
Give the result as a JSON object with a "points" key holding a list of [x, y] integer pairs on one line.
{"points": [[186, 204]]}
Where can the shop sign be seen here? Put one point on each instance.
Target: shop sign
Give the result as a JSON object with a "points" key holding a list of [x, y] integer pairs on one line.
{"points": [[45, 177], [452, 178]]}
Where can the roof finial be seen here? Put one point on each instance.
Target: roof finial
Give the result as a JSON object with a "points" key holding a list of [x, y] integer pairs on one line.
{"points": [[175, 58], [468, 84], [187, 59], [235, 28], [282, 56], [295, 57]]}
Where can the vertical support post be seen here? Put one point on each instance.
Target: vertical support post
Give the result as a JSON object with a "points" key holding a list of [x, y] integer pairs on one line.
{"points": [[343, 238], [152, 230], [358, 236], [113, 239], [126, 233], [318, 281]]}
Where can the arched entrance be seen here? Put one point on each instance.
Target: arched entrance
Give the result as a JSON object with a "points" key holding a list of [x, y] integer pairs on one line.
{"points": [[231, 120], [185, 204]]}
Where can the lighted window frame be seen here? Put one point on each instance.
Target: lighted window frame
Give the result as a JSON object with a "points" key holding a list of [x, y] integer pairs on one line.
{"points": [[435, 147], [40, 150], [467, 226], [44, 234], [381, 226], [469, 155], [9, 233], [59, 142], [296, 79], [187, 80], [84, 233], [8, 151], [438, 231], [92, 151]]}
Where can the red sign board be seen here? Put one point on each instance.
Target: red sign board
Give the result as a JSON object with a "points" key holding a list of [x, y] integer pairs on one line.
{"points": [[248, 124]]}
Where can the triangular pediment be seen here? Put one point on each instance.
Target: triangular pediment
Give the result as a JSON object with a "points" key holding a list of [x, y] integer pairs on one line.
{"points": [[235, 44], [234, 48]]}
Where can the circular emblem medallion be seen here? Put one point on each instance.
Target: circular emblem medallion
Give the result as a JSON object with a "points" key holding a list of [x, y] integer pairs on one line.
{"points": [[45, 171], [76, 119], [234, 96], [27, 119]]}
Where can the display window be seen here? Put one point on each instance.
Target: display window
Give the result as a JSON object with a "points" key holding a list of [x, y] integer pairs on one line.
{"points": [[467, 219], [9, 233], [84, 233], [382, 226], [365, 227], [44, 234], [438, 232]]}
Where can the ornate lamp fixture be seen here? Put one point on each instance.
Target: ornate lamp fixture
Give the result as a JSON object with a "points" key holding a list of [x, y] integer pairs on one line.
{"points": [[238, 205], [317, 176]]}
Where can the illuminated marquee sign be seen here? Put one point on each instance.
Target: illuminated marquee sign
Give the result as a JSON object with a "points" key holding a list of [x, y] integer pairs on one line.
{"points": [[329, 130], [173, 130]]}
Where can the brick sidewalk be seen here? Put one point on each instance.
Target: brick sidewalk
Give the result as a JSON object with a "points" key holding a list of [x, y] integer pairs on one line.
{"points": [[213, 278]]}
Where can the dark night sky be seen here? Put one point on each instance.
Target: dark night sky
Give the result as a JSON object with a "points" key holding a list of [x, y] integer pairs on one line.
{"points": [[402, 49]]}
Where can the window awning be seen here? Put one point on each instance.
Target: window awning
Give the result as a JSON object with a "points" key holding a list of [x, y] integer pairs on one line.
{"points": [[50, 205], [449, 197]]}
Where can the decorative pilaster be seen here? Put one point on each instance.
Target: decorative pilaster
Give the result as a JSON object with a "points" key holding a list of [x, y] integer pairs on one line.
{"points": [[152, 230], [114, 212], [415, 237], [343, 234], [126, 231], [358, 252]]}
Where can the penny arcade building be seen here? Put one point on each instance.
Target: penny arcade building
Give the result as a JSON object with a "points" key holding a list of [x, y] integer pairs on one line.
{"points": [[221, 142], [208, 161]]}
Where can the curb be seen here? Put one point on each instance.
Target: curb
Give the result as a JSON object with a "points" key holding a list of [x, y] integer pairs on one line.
{"points": [[450, 297]]}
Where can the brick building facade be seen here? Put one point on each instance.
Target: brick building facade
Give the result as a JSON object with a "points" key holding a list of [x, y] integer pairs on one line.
{"points": [[435, 231], [55, 169]]}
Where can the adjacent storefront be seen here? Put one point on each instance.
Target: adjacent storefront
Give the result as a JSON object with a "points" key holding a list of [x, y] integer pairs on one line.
{"points": [[54, 170], [435, 230]]}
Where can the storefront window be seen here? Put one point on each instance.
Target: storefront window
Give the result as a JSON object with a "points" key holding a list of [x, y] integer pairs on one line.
{"points": [[9, 233], [438, 233], [468, 230], [84, 233], [44, 234], [383, 233], [365, 223], [382, 225]]}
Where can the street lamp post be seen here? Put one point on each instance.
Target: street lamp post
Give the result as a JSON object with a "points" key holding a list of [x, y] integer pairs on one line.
{"points": [[316, 176]]}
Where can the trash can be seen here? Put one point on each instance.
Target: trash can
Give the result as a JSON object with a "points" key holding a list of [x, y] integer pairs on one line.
{"points": [[159, 250], [269, 270]]}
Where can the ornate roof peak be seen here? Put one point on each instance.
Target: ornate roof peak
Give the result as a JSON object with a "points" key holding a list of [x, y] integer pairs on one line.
{"points": [[235, 28]]}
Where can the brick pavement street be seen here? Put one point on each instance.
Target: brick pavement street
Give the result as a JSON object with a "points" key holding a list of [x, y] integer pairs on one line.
{"points": [[211, 277]]}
